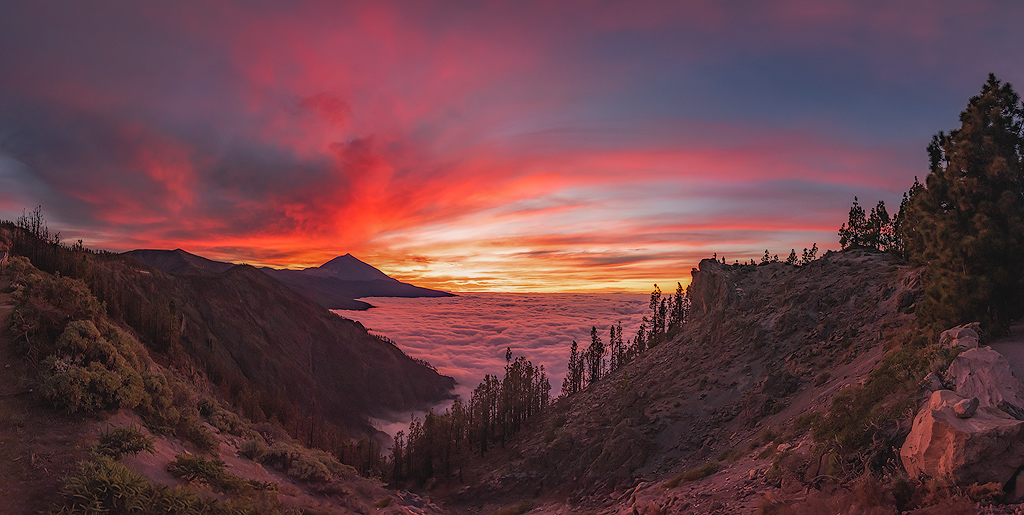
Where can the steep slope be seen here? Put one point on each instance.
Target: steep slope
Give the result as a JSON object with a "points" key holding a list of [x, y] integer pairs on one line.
{"points": [[266, 348], [91, 424], [323, 364], [763, 345]]}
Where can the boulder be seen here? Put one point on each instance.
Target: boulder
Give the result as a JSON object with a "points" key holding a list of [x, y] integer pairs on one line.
{"points": [[933, 382], [965, 336], [966, 408], [985, 374], [987, 447]]}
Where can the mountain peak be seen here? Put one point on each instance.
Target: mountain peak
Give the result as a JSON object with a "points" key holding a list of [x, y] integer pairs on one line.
{"points": [[349, 268]]}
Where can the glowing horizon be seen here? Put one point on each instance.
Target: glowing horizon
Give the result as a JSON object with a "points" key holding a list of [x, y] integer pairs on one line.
{"points": [[523, 147]]}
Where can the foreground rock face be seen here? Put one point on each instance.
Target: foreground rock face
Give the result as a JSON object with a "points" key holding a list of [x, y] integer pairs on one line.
{"points": [[987, 447], [985, 374]]}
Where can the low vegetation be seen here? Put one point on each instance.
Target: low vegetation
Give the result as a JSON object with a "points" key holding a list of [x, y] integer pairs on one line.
{"points": [[693, 474], [119, 441], [105, 486]]}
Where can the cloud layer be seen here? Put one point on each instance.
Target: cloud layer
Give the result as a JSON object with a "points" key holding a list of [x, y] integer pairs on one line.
{"points": [[484, 145], [466, 336]]}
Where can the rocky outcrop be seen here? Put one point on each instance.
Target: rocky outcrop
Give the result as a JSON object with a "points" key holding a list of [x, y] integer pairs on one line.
{"points": [[986, 447], [965, 336], [984, 373], [712, 287], [974, 434]]}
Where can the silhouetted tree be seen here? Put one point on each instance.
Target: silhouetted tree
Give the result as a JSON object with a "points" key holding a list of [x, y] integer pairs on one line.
{"points": [[967, 222], [809, 254], [573, 381], [594, 357], [679, 310], [792, 259]]}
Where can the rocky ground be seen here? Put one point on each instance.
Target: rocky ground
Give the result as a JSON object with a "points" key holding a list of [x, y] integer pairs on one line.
{"points": [[709, 422], [764, 345]]}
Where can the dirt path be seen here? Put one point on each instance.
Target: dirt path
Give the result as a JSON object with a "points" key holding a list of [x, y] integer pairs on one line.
{"points": [[38, 447], [1012, 347]]}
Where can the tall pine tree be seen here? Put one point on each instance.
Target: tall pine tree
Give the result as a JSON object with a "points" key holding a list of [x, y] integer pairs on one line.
{"points": [[967, 222]]}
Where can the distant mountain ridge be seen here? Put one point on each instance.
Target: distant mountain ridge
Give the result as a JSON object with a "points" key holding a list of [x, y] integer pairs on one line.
{"points": [[334, 285], [179, 262], [348, 268]]}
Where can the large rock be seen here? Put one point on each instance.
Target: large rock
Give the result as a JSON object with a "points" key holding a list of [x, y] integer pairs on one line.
{"points": [[987, 447], [965, 336], [985, 374]]}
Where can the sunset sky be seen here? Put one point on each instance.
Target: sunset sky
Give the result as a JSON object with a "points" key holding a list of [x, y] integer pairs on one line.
{"points": [[477, 145]]}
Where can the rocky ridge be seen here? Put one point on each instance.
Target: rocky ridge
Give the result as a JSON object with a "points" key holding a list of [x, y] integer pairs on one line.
{"points": [[764, 344]]}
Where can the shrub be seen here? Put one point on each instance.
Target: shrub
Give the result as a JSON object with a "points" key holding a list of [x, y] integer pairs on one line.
{"points": [[105, 486], [192, 429], [195, 468], [858, 414], [310, 465], [253, 449], [222, 419], [88, 372], [118, 441], [693, 474]]}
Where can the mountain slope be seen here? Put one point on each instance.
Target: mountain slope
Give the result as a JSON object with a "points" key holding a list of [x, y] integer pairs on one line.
{"points": [[268, 349], [750, 360], [79, 410]]}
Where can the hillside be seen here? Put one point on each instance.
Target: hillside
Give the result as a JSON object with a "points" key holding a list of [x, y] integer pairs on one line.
{"points": [[763, 345], [269, 350], [98, 426]]}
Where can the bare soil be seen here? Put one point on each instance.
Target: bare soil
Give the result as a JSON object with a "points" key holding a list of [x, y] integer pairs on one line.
{"points": [[38, 446]]}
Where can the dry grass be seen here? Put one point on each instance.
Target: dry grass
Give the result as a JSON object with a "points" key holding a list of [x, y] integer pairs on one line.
{"points": [[516, 509], [693, 474]]}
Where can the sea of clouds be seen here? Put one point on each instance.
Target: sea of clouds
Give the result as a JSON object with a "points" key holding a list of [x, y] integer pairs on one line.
{"points": [[466, 336]]}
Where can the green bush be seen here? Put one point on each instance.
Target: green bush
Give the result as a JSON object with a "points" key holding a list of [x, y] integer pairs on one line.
{"points": [[195, 468], [193, 430], [253, 449], [105, 486], [310, 465], [88, 372], [224, 420], [43, 306], [118, 441]]}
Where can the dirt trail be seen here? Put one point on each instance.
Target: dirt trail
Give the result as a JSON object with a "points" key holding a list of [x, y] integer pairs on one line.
{"points": [[38, 447], [1012, 347]]}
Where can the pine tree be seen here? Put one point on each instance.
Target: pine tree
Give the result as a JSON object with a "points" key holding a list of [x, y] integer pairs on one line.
{"points": [[573, 381], [879, 229], [852, 233], [791, 260], [967, 222], [594, 357]]}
